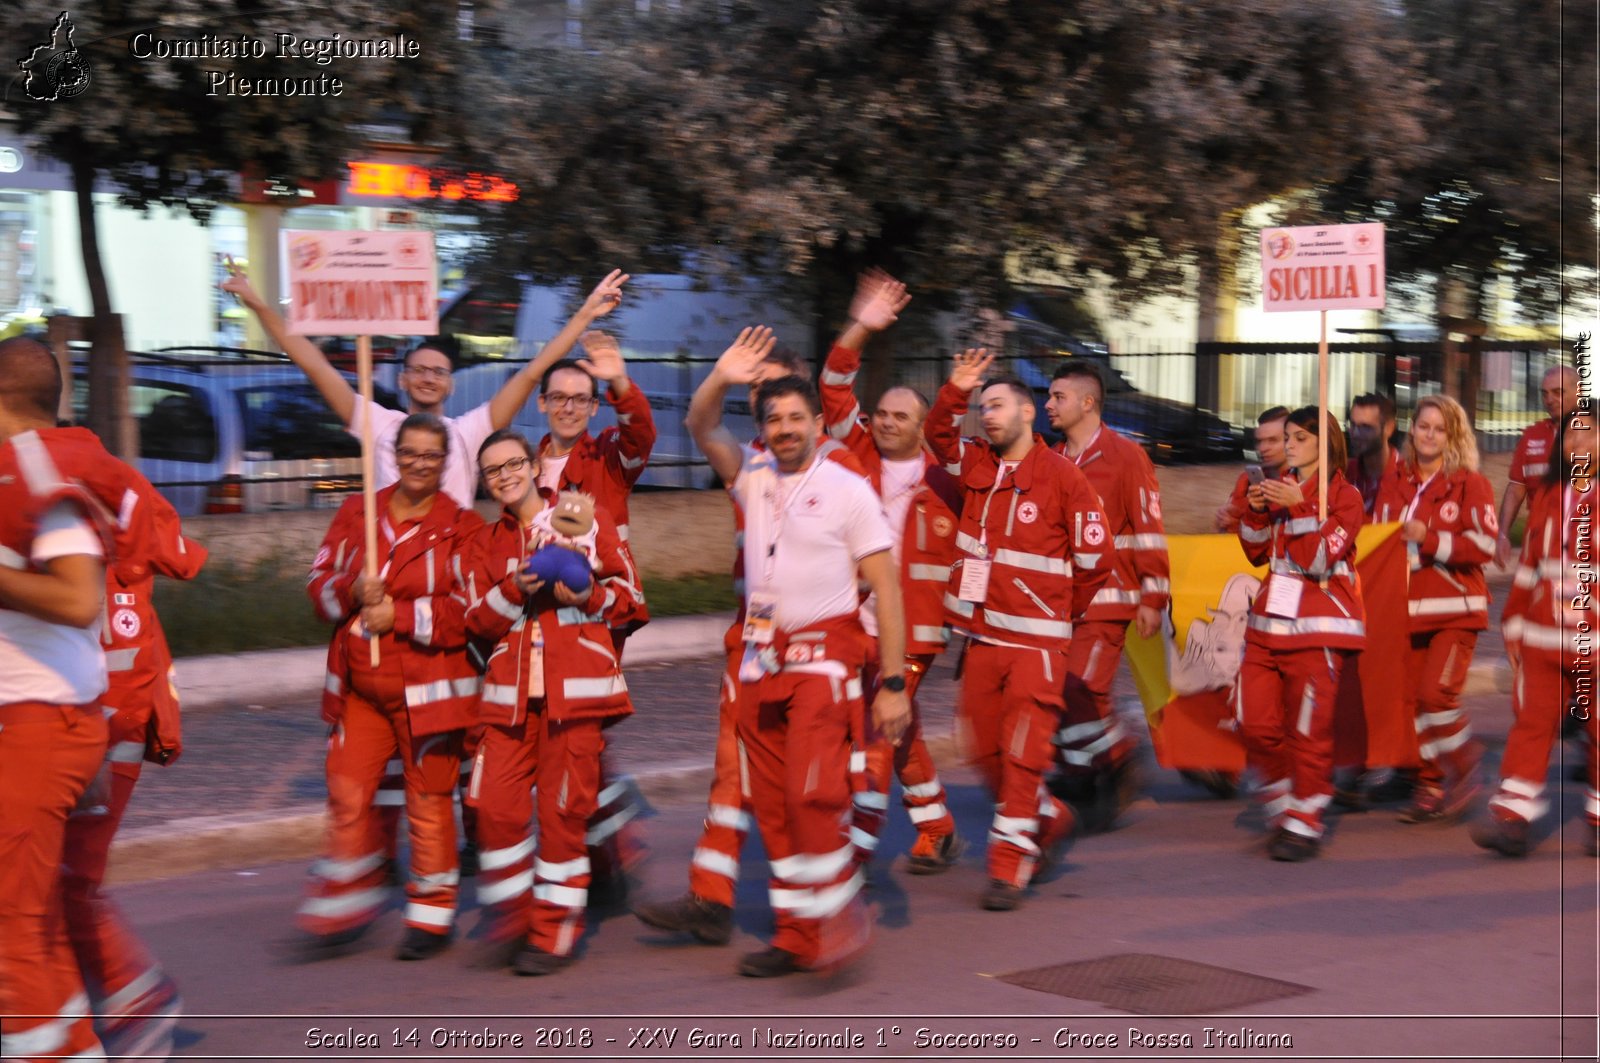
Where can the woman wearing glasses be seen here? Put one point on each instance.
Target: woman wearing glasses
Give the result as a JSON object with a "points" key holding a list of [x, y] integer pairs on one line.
{"points": [[553, 683], [411, 706]]}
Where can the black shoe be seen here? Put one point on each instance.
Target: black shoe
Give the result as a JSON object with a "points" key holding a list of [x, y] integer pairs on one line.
{"points": [[941, 855], [1350, 799], [709, 922], [1074, 787], [1508, 837], [313, 947], [1000, 896], [419, 944], [532, 961], [469, 860], [1114, 790], [1221, 784], [1396, 788], [1292, 848], [769, 963]]}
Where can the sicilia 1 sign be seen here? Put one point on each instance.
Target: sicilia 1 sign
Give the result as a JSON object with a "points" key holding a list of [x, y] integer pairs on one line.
{"points": [[1323, 267]]}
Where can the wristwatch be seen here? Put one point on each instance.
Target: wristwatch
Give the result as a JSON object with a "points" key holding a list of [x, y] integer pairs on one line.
{"points": [[895, 683]]}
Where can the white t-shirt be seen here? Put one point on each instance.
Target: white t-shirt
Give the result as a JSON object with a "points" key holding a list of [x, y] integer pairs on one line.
{"points": [[53, 663], [551, 469], [900, 482], [804, 534], [467, 433]]}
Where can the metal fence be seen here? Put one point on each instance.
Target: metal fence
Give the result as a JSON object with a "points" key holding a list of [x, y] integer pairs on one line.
{"points": [[228, 430]]}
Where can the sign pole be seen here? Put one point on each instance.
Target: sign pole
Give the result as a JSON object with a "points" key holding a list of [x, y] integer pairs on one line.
{"points": [[369, 487], [1323, 472]]}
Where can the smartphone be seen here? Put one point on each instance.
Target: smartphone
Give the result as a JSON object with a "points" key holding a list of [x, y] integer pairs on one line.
{"points": [[1255, 474]]}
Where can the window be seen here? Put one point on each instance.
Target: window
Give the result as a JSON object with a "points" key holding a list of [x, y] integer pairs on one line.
{"points": [[175, 422], [284, 422]]}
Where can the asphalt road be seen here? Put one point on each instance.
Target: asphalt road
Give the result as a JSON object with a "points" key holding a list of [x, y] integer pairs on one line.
{"points": [[1399, 942]]}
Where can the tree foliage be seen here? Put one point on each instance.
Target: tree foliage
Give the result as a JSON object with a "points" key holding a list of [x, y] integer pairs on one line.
{"points": [[1506, 188], [950, 140]]}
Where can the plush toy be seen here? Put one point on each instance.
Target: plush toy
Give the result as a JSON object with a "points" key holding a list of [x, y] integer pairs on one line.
{"points": [[566, 550]]}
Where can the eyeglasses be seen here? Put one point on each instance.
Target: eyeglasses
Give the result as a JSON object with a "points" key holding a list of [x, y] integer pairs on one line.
{"points": [[555, 400], [493, 472], [438, 372], [407, 456]]}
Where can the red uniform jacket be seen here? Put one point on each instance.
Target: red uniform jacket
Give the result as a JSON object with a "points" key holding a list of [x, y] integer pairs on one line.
{"points": [[138, 662], [428, 643], [1551, 609], [1447, 587], [582, 676], [928, 539], [607, 467], [1121, 474], [1319, 556], [1040, 525]]}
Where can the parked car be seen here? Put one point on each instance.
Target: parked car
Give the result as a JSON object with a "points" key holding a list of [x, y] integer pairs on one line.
{"points": [[1168, 430], [231, 438]]}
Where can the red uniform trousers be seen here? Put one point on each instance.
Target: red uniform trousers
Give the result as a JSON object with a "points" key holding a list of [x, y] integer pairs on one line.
{"points": [[48, 755], [1543, 690], [714, 867], [920, 790], [1284, 702], [795, 734], [1011, 705], [122, 977], [616, 844], [536, 885], [1091, 738], [1438, 668], [348, 886]]}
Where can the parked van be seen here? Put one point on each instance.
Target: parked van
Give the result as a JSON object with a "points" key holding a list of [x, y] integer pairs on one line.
{"points": [[671, 329]]}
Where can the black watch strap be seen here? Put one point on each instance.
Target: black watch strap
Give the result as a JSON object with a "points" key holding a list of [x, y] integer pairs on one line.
{"points": [[896, 683]]}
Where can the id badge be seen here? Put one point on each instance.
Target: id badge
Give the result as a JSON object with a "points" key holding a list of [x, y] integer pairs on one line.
{"points": [[974, 579], [1283, 596], [760, 618], [536, 669]]}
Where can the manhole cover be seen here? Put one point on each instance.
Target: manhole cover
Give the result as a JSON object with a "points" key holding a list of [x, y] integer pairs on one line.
{"points": [[1155, 985]]}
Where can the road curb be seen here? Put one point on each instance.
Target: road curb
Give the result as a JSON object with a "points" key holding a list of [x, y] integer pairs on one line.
{"points": [[222, 843], [266, 676]]}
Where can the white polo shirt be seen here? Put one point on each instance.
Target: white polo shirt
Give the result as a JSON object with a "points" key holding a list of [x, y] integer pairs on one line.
{"points": [[459, 479], [53, 663], [805, 533]]}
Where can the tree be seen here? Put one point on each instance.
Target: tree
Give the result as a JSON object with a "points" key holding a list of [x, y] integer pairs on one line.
{"points": [[955, 142], [175, 132], [1506, 191]]}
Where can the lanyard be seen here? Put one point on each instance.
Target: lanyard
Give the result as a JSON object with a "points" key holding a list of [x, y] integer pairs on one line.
{"points": [[983, 518], [1416, 500], [780, 511], [1078, 460]]}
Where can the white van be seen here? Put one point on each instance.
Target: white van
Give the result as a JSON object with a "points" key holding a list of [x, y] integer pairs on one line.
{"points": [[672, 330]]}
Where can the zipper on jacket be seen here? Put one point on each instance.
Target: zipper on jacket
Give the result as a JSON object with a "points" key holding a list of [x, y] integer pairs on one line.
{"points": [[1025, 589]]}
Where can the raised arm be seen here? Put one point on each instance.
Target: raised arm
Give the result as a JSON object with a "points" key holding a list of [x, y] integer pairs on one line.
{"points": [[943, 429], [635, 436], [334, 388], [514, 393], [739, 364]]}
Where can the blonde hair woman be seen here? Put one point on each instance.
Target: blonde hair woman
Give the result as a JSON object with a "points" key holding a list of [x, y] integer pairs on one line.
{"points": [[1448, 522]]}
